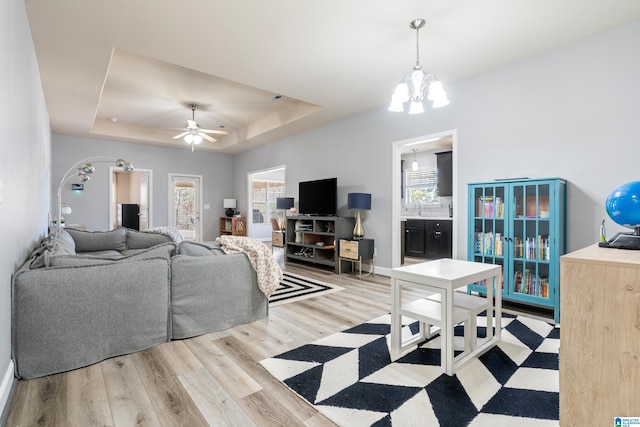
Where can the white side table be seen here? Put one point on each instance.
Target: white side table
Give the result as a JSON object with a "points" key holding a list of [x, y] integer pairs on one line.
{"points": [[443, 277]]}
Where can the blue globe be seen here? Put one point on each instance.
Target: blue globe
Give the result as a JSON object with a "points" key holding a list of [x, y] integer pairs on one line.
{"points": [[623, 205]]}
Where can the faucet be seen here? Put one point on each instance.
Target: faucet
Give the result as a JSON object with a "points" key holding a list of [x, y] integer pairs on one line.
{"points": [[419, 208]]}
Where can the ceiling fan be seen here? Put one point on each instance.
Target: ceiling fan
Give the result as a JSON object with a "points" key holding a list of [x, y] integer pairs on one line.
{"points": [[193, 135]]}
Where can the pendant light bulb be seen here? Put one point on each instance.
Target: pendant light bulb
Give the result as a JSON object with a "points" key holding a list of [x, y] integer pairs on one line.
{"points": [[414, 165]]}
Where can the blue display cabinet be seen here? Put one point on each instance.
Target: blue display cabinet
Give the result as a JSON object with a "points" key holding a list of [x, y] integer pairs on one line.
{"points": [[520, 225]]}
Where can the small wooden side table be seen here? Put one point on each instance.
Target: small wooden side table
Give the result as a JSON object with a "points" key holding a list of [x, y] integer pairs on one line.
{"points": [[234, 226], [277, 239], [354, 251]]}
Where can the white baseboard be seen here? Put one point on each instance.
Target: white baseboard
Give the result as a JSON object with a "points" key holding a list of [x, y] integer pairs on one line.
{"points": [[5, 387], [383, 271]]}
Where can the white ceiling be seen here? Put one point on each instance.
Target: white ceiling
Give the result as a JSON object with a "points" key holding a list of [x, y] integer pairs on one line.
{"points": [[128, 69]]}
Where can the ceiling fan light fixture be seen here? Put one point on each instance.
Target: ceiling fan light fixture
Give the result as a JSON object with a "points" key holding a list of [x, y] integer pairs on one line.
{"points": [[192, 133], [415, 86]]}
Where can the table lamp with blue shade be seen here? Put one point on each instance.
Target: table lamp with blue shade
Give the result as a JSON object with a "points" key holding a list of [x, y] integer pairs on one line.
{"points": [[359, 202], [623, 207]]}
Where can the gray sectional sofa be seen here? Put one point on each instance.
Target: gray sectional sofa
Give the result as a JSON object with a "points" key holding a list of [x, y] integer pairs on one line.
{"points": [[83, 297]]}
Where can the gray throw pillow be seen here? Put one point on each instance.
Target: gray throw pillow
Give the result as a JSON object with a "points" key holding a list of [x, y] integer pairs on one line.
{"points": [[64, 241], [142, 240], [89, 241]]}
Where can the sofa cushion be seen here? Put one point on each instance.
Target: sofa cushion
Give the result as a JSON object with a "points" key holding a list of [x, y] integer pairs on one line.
{"points": [[198, 249], [109, 253], [142, 239], [89, 241], [165, 251]]}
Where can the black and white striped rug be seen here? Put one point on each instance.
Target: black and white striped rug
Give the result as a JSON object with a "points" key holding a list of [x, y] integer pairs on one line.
{"points": [[295, 288], [350, 378]]}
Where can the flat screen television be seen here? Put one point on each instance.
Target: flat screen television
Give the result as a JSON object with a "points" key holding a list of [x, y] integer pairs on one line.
{"points": [[319, 197]]}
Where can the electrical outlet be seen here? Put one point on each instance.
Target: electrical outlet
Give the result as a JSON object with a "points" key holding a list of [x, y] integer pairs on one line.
{"points": [[1, 201], [375, 251]]}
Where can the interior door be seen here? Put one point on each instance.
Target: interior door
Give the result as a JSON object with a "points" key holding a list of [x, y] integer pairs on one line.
{"points": [[185, 194], [144, 201]]}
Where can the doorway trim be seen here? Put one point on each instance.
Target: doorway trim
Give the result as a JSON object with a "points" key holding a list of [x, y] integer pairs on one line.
{"points": [[396, 205], [112, 195], [170, 216]]}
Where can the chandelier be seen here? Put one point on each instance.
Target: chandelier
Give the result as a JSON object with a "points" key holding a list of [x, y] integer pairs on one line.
{"points": [[419, 84]]}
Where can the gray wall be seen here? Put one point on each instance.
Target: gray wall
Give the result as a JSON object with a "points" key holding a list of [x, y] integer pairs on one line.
{"points": [[91, 206], [571, 112], [24, 163]]}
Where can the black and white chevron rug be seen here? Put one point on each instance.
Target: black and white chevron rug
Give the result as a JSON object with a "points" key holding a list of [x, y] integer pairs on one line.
{"points": [[295, 288], [350, 378]]}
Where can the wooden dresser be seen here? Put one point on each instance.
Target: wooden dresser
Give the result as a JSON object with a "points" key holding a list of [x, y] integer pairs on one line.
{"points": [[599, 336]]}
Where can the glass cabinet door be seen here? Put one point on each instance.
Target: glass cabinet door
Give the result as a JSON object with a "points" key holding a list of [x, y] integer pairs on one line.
{"points": [[489, 228], [530, 236]]}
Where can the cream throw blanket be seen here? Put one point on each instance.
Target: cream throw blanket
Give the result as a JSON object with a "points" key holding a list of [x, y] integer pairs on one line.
{"points": [[268, 271]]}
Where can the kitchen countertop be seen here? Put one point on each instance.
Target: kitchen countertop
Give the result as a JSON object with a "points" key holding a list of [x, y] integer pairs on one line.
{"points": [[436, 218]]}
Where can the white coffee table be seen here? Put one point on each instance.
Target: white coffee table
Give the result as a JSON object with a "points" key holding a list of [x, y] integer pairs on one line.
{"points": [[443, 277]]}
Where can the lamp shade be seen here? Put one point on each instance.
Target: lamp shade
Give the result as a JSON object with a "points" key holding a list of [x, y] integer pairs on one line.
{"points": [[359, 201], [284, 202], [229, 203]]}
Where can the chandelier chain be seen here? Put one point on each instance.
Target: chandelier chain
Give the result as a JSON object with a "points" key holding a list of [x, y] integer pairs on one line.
{"points": [[418, 66]]}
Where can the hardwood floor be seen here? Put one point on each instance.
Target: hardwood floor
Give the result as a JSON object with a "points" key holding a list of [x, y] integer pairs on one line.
{"points": [[210, 380], [213, 379]]}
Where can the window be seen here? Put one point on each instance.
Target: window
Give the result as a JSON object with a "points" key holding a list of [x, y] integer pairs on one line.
{"points": [[421, 186], [264, 198]]}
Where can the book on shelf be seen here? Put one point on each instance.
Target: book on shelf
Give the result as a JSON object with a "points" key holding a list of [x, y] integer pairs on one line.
{"points": [[490, 207], [530, 284], [536, 248], [489, 243]]}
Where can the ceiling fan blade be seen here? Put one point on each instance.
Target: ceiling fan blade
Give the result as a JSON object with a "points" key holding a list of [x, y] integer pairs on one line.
{"points": [[180, 135], [207, 137], [216, 131]]}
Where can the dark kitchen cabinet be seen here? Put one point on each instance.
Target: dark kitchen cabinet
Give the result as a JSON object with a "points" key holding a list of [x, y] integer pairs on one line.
{"points": [[429, 239], [414, 238], [438, 239], [444, 162]]}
